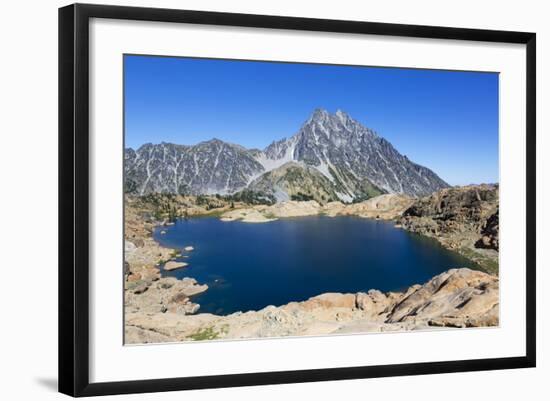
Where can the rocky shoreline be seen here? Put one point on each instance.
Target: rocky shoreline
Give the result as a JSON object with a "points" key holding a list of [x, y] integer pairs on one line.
{"points": [[462, 219], [385, 207], [160, 309], [456, 298], [145, 292]]}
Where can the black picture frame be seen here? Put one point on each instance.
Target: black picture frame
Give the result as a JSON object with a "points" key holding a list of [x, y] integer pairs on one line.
{"points": [[74, 202]]}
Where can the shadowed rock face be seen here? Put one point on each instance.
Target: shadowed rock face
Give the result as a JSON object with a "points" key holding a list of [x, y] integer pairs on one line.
{"points": [[348, 160], [468, 204], [489, 232], [464, 219]]}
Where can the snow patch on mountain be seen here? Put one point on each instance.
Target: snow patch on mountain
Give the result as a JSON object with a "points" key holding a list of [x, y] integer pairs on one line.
{"points": [[323, 169], [344, 197], [354, 158]]}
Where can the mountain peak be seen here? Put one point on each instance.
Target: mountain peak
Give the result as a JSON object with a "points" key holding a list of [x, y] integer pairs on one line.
{"points": [[342, 115], [339, 117], [354, 160], [213, 141], [319, 114], [339, 122]]}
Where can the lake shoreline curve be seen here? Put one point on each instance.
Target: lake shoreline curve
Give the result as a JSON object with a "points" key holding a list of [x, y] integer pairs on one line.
{"points": [[463, 219]]}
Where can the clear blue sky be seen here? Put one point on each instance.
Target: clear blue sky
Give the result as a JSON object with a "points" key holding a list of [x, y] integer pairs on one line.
{"points": [[444, 120]]}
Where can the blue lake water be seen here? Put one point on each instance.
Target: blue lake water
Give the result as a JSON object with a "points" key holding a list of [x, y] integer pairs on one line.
{"points": [[249, 266]]}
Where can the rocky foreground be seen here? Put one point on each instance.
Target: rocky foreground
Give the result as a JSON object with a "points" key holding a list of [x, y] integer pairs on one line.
{"points": [[463, 219], [456, 298]]}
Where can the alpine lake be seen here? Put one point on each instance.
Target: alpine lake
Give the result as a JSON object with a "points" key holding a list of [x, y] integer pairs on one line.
{"points": [[249, 266]]}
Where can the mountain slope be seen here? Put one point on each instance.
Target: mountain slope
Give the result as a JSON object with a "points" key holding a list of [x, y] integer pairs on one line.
{"points": [[295, 181], [206, 168], [352, 155], [355, 162]]}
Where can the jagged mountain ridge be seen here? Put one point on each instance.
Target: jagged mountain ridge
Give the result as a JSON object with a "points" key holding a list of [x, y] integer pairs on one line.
{"points": [[354, 160], [206, 168]]}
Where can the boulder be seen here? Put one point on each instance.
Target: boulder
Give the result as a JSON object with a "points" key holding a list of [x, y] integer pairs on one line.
{"points": [[167, 282], [129, 246], [171, 265], [331, 300], [140, 288]]}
